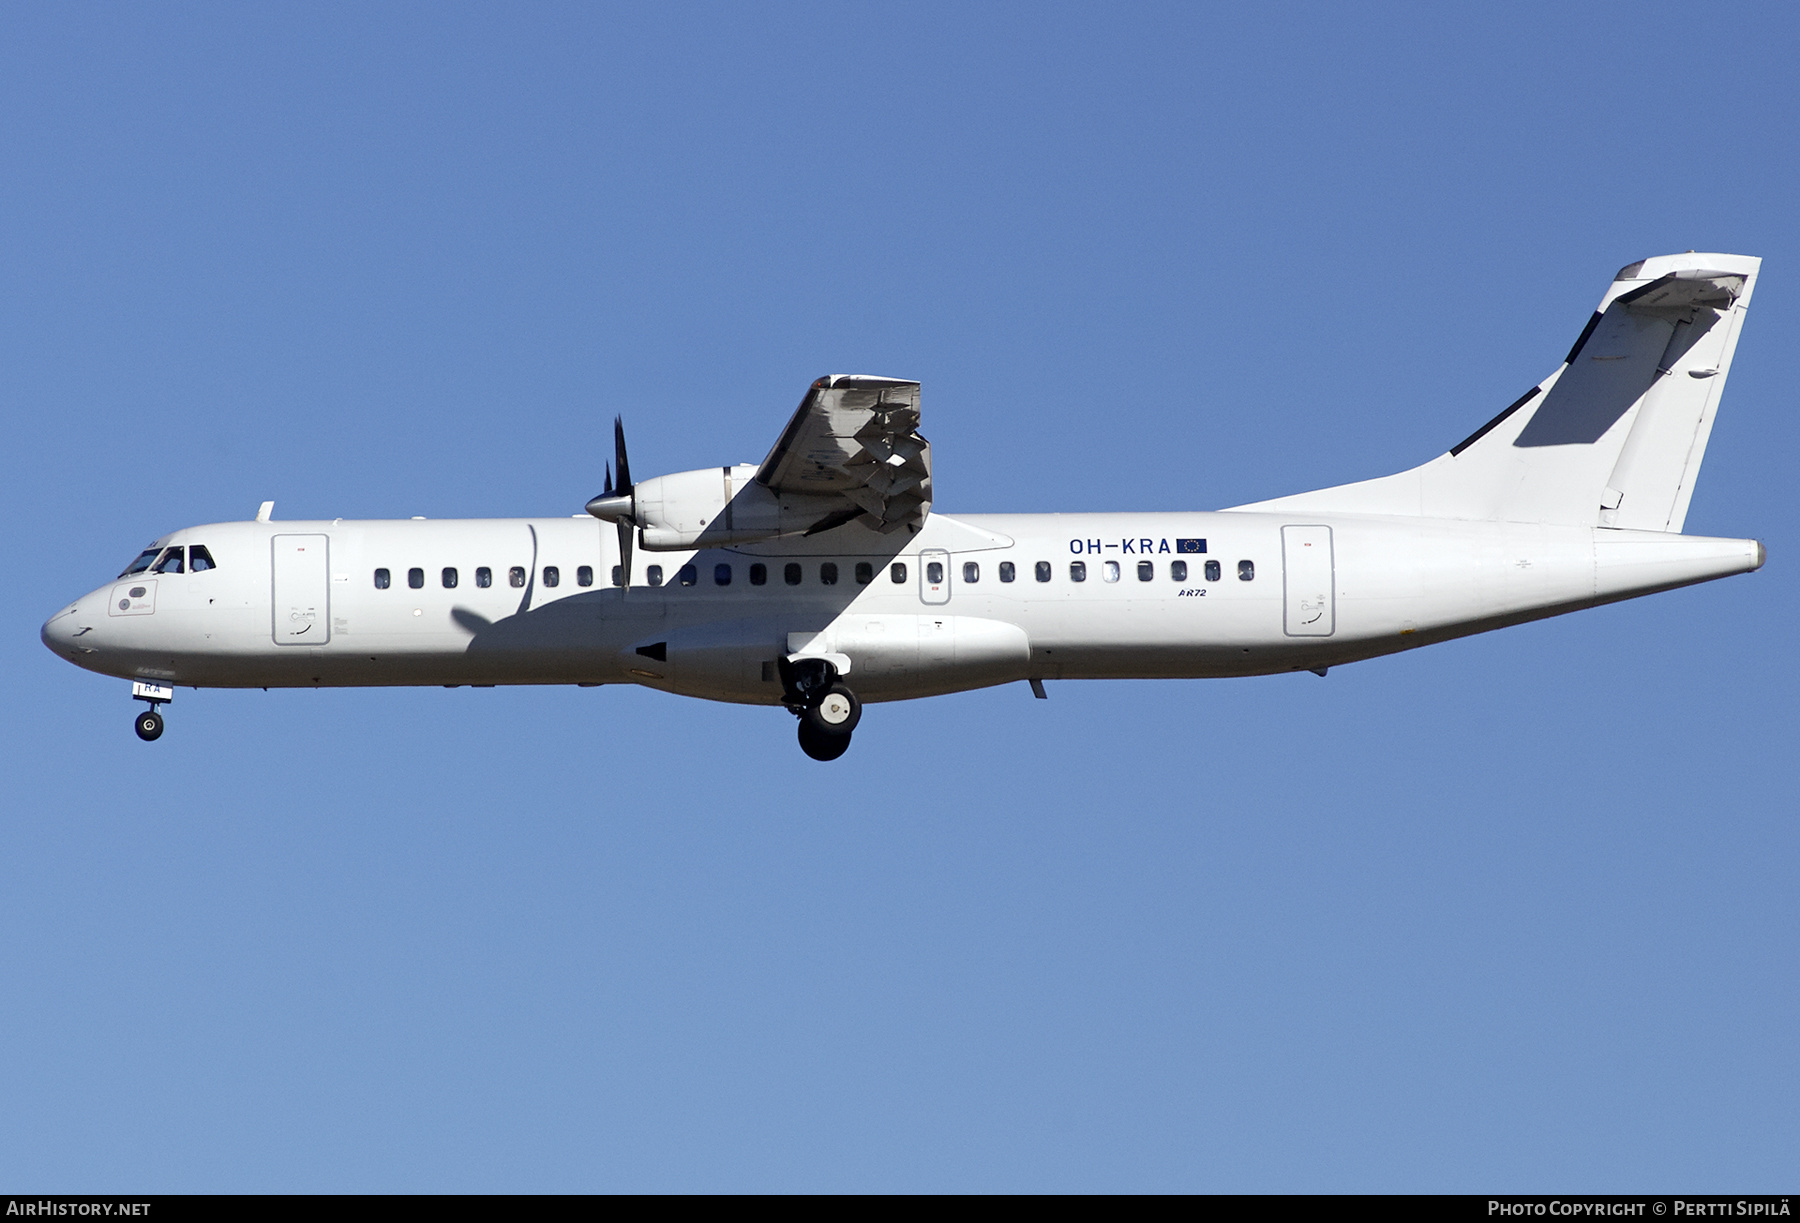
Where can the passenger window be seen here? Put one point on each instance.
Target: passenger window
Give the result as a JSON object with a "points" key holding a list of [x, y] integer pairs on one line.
{"points": [[484, 577], [1007, 572], [1146, 571], [897, 572], [552, 575], [449, 579], [1078, 571], [759, 575], [382, 579], [199, 559], [865, 573], [790, 574], [415, 578], [721, 575], [170, 563], [1043, 571], [828, 574], [971, 571], [516, 577], [1212, 571], [1178, 571], [618, 575], [1246, 571], [687, 575], [1111, 571], [653, 575], [584, 576], [934, 572], [142, 562]]}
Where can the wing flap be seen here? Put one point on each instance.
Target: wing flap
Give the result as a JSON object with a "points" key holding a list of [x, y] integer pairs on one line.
{"points": [[855, 437]]}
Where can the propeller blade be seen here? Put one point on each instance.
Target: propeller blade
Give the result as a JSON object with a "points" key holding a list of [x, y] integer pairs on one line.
{"points": [[626, 534], [608, 490], [619, 454]]}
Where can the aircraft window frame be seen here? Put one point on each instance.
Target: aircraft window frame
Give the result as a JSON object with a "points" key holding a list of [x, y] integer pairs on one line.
{"points": [[865, 573], [721, 574], [971, 572], [1008, 571], [1246, 571], [415, 578], [584, 575], [1044, 571], [759, 574], [552, 577], [828, 573], [1178, 571], [897, 573], [1146, 571], [654, 575], [198, 553], [791, 573], [515, 577], [1214, 571], [144, 560], [450, 577], [484, 577], [171, 562], [383, 579], [688, 575], [1078, 571], [934, 573], [1109, 571]]}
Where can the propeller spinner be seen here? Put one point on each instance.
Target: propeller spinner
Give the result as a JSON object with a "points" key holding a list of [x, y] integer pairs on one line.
{"points": [[617, 504]]}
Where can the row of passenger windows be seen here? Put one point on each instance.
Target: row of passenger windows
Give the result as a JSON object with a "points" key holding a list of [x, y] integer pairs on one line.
{"points": [[793, 574], [192, 559]]}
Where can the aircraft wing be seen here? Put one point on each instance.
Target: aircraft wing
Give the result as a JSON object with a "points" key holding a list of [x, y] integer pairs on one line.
{"points": [[855, 439]]}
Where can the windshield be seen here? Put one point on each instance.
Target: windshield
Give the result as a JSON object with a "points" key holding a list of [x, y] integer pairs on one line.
{"points": [[142, 562]]}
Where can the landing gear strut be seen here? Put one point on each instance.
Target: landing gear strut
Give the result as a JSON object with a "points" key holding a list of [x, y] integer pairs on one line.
{"points": [[149, 723], [827, 709]]}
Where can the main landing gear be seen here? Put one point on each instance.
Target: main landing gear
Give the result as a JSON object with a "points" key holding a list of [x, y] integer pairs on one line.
{"points": [[827, 709]]}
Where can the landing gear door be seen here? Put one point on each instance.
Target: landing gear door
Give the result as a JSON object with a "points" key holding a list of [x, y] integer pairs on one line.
{"points": [[1307, 580], [302, 589], [934, 576]]}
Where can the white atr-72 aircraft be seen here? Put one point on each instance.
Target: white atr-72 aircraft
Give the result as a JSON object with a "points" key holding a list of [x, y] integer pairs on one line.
{"points": [[822, 579]]}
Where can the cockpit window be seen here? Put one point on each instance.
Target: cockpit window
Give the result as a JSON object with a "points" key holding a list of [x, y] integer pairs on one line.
{"points": [[142, 562], [199, 559], [171, 562]]}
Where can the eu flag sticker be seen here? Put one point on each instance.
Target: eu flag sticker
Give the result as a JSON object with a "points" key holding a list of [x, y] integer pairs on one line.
{"points": [[1190, 545]]}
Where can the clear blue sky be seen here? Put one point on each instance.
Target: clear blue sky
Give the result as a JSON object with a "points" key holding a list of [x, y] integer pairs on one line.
{"points": [[1514, 913]]}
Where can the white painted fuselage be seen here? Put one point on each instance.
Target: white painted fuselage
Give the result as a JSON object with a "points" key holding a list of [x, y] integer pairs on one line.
{"points": [[1282, 593]]}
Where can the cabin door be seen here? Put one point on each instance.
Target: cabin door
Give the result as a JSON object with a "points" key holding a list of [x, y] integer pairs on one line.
{"points": [[302, 588], [1307, 582]]}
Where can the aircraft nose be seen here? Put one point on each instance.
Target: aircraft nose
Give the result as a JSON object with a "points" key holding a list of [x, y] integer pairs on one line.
{"points": [[60, 632]]}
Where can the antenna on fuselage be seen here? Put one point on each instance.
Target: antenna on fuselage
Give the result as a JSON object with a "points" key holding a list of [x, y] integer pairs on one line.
{"points": [[266, 512]]}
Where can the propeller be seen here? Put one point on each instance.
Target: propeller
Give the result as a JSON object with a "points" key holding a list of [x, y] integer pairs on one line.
{"points": [[617, 504]]}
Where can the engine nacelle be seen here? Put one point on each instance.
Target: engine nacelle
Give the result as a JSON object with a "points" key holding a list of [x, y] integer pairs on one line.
{"points": [[719, 505]]}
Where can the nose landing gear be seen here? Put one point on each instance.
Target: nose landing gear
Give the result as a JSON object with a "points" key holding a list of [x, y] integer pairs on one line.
{"points": [[149, 723], [827, 709]]}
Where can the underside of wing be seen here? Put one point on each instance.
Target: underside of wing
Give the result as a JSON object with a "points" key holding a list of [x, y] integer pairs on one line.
{"points": [[855, 439]]}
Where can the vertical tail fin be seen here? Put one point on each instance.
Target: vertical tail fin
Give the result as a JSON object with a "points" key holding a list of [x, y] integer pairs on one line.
{"points": [[1614, 437]]}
